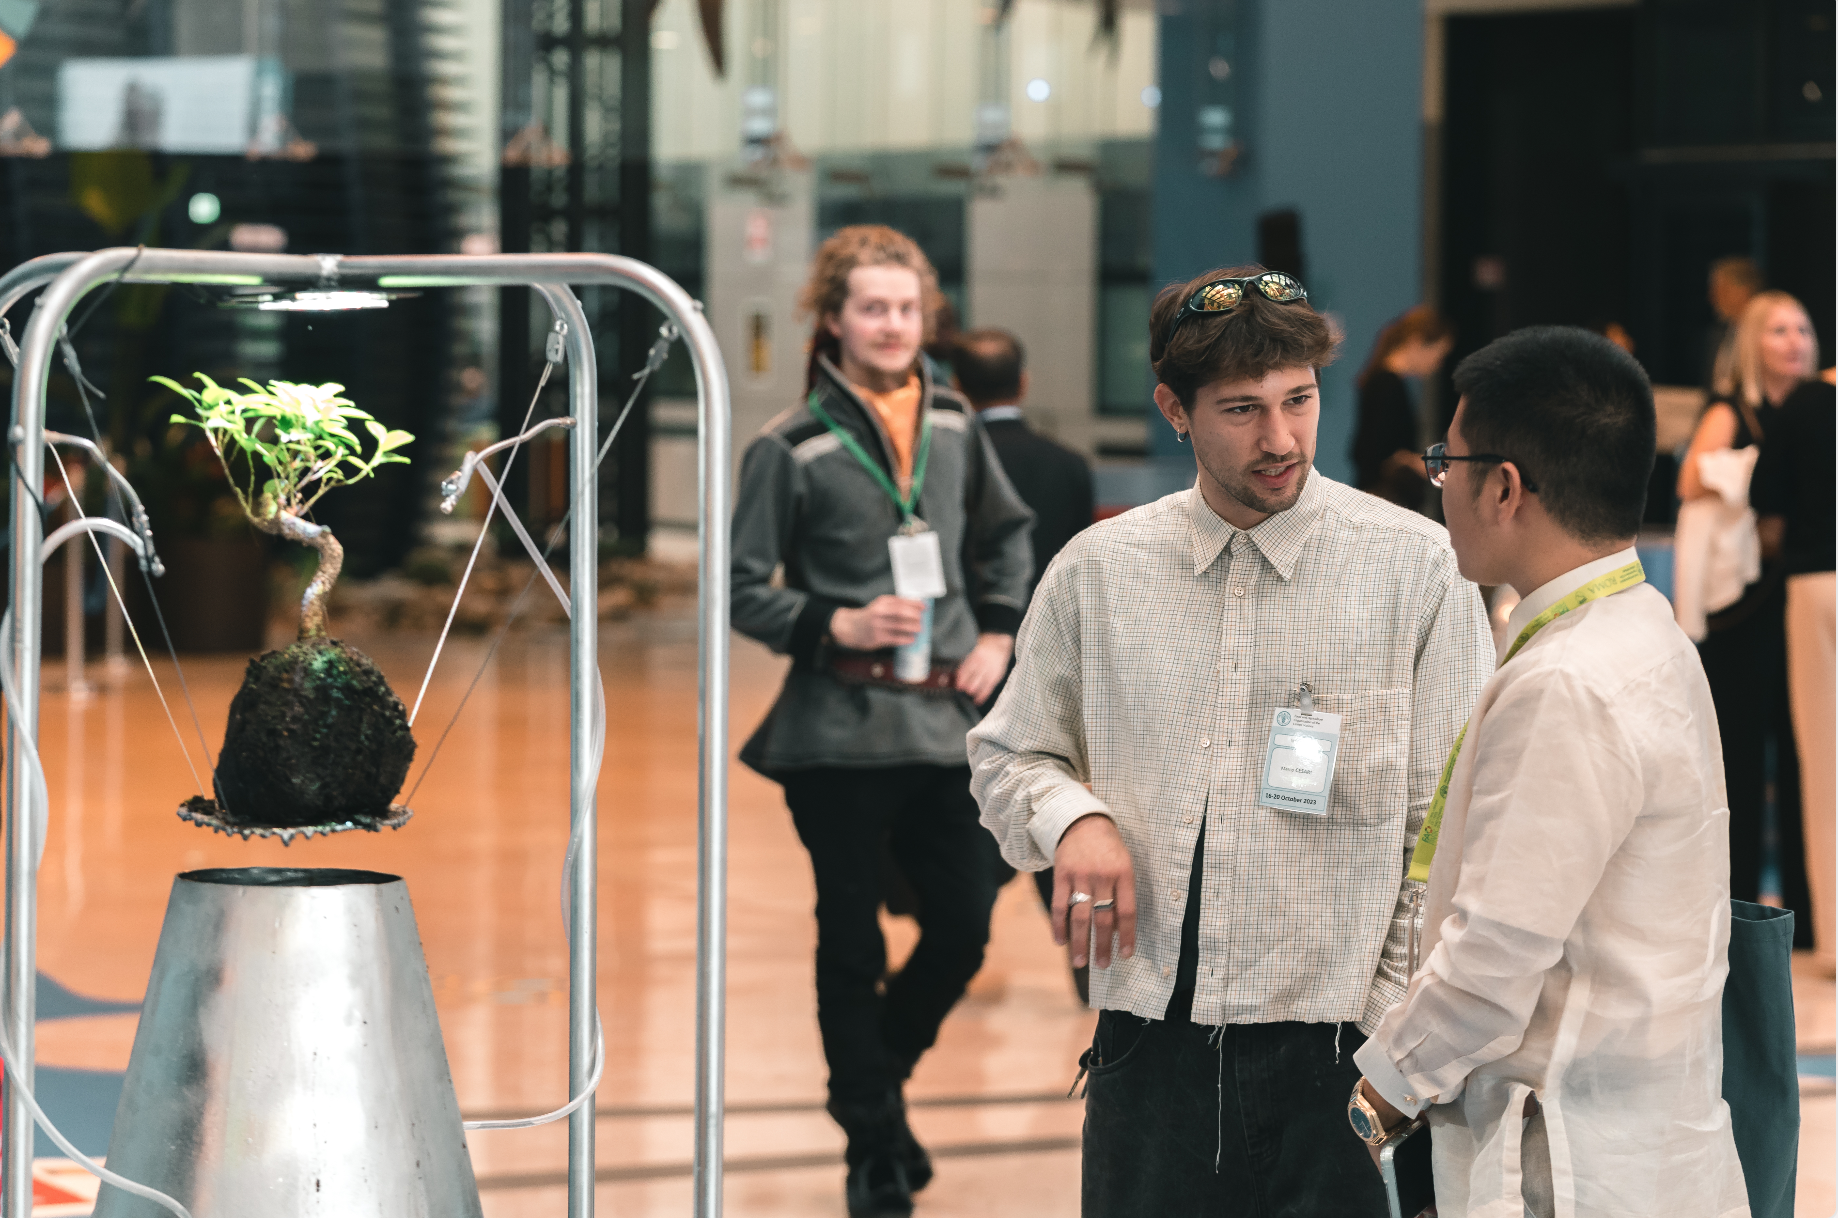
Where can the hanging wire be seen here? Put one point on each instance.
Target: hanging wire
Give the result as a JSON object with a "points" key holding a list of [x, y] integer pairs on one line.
{"points": [[660, 350], [95, 544], [114, 493], [554, 353]]}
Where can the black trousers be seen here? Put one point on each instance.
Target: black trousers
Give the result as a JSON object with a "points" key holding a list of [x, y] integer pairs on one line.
{"points": [[1746, 666], [875, 1027], [1245, 1121]]}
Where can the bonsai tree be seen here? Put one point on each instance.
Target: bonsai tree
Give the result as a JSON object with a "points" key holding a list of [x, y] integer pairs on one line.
{"points": [[316, 737]]}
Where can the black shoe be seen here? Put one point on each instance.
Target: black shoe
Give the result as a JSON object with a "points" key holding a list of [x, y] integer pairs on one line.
{"points": [[877, 1187], [918, 1164]]}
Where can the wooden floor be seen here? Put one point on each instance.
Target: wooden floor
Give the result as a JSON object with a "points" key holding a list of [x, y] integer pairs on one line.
{"points": [[483, 857]]}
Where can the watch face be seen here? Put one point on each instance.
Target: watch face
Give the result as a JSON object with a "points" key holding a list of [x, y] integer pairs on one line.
{"points": [[1362, 1124]]}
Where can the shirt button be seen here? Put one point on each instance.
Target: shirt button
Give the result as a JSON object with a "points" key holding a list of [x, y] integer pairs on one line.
{"points": [[1205, 743], [1410, 1099], [1177, 895], [1189, 820], [1237, 591]]}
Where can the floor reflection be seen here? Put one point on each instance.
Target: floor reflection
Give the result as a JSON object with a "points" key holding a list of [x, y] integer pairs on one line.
{"points": [[483, 860]]}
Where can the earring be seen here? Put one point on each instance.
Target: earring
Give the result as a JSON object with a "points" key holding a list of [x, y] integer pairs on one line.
{"points": [[1180, 437]]}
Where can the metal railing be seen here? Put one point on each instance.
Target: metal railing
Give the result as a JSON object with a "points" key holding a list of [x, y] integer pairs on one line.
{"points": [[65, 279]]}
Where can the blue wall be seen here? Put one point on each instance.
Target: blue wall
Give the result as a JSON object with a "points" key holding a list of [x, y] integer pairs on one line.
{"points": [[1328, 106]]}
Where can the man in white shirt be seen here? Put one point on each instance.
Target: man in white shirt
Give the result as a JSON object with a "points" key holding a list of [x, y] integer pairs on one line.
{"points": [[1564, 1033], [1259, 679]]}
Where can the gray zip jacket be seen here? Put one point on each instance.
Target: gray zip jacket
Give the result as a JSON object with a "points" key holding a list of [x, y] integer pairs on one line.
{"points": [[806, 506]]}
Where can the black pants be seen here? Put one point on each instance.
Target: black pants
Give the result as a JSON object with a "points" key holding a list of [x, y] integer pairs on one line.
{"points": [[875, 1027], [1245, 1121], [1746, 666]]}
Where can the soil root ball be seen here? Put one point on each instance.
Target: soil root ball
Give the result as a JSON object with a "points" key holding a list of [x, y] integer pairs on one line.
{"points": [[315, 736]]}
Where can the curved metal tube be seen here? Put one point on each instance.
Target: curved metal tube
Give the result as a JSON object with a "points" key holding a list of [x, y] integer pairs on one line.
{"points": [[90, 524], [453, 486], [149, 559], [549, 273]]}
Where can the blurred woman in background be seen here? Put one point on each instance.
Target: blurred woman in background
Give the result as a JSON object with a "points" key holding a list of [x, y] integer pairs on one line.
{"points": [[1387, 446], [1744, 649]]}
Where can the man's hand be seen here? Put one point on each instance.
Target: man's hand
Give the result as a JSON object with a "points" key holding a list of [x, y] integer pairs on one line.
{"points": [[979, 672], [886, 621], [1093, 859], [1391, 1119]]}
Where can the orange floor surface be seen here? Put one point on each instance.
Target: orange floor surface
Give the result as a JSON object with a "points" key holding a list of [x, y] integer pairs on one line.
{"points": [[483, 859]]}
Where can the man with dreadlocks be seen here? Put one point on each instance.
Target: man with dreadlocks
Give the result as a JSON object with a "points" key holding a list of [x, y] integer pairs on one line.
{"points": [[883, 504]]}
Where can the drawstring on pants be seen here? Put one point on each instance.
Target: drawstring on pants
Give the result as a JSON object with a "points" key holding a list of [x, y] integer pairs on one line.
{"points": [[1337, 1027], [1218, 1041]]}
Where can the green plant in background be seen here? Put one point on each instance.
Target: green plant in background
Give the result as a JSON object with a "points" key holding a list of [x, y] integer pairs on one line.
{"points": [[301, 437]]}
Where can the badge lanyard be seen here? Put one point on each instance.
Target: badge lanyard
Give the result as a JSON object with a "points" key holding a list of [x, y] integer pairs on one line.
{"points": [[1615, 581], [909, 523]]}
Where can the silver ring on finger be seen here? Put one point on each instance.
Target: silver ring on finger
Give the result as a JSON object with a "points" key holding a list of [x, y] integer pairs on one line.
{"points": [[1078, 898], [1106, 903]]}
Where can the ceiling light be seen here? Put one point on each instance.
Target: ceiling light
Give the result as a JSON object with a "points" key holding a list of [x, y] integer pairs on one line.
{"points": [[326, 302]]}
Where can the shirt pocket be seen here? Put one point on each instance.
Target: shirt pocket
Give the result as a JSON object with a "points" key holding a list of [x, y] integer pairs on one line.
{"points": [[1370, 775]]}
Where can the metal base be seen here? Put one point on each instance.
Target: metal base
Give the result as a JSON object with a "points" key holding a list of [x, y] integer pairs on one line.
{"points": [[288, 1062], [201, 811]]}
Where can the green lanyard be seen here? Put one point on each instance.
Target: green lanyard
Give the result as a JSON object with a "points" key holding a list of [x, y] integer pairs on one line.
{"points": [[910, 500], [1607, 585]]}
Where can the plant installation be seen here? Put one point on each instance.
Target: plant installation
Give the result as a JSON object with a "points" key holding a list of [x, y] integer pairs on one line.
{"points": [[316, 737]]}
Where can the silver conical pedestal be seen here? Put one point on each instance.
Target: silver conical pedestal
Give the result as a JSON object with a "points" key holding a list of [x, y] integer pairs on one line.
{"points": [[288, 1062]]}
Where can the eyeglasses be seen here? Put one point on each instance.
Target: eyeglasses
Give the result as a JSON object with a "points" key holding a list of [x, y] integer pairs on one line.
{"points": [[1436, 459], [1224, 295]]}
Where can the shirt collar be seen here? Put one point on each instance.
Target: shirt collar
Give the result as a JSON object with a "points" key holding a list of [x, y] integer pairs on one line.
{"points": [[1279, 539], [1000, 414], [1549, 594]]}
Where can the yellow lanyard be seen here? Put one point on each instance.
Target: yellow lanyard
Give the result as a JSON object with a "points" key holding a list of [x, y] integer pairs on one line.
{"points": [[1615, 581]]}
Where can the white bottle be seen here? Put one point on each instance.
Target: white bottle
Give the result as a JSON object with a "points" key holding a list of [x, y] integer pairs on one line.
{"points": [[913, 661]]}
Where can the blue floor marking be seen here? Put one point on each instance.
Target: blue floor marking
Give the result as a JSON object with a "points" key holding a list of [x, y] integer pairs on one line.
{"points": [[81, 1102], [57, 1002]]}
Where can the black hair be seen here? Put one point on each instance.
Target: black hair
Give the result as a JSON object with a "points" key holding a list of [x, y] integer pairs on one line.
{"points": [[988, 365], [1575, 413]]}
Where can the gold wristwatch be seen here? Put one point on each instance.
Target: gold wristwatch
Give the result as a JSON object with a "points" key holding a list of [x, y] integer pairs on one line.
{"points": [[1364, 1118]]}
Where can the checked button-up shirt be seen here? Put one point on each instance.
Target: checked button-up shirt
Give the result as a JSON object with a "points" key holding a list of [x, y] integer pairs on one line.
{"points": [[1156, 652]]}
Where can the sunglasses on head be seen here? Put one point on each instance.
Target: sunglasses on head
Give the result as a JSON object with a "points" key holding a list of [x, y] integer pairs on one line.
{"points": [[1224, 295]]}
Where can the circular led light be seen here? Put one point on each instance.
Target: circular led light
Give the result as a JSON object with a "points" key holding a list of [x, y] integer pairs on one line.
{"points": [[1039, 90], [1152, 96], [204, 208]]}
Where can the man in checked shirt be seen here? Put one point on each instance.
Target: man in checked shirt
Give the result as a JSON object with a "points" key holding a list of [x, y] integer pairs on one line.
{"points": [[1239, 885]]}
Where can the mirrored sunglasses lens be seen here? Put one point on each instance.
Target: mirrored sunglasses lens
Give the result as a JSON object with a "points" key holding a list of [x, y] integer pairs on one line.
{"points": [[1218, 297], [1280, 288]]}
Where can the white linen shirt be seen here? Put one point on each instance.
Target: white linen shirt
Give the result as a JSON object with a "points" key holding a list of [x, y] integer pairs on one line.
{"points": [[1576, 928], [1153, 658]]}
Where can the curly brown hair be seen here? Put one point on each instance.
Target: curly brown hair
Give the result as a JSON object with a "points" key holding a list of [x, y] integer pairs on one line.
{"points": [[828, 286], [1248, 343]]}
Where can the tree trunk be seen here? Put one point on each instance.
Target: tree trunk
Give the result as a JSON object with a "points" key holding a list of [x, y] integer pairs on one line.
{"points": [[331, 560]]}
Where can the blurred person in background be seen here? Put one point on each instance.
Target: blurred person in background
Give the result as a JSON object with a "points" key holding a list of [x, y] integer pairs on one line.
{"points": [[1744, 649], [1733, 283], [1051, 479], [1794, 495], [867, 735], [1387, 447]]}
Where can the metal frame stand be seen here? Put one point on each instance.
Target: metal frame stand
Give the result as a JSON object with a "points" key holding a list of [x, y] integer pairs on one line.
{"points": [[65, 279]]}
